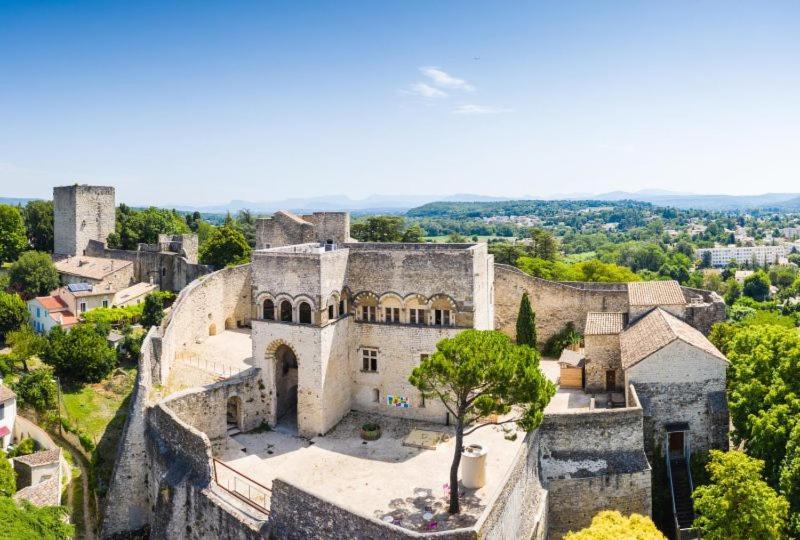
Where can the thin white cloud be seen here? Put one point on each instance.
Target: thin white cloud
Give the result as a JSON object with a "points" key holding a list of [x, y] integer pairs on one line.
{"points": [[445, 80], [479, 109], [426, 91]]}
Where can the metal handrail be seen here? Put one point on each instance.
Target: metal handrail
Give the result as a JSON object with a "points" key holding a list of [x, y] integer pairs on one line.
{"points": [[672, 494], [252, 486]]}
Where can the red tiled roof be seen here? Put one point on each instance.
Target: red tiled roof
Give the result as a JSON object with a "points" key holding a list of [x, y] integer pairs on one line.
{"points": [[52, 303], [4, 431]]}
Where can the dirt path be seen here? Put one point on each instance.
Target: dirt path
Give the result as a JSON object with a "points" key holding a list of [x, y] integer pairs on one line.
{"points": [[89, 525]]}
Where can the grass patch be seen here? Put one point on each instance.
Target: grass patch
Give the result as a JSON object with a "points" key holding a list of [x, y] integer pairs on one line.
{"points": [[77, 502], [92, 407]]}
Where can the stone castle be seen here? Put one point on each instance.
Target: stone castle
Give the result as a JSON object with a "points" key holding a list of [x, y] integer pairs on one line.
{"points": [[85, 216], [248, 395]]}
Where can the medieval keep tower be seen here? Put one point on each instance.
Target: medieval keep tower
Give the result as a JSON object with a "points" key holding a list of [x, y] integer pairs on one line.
{"points": [[82, 213]]}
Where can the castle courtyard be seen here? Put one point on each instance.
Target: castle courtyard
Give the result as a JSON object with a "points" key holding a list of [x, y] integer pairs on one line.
{"points": [[377, 479]]}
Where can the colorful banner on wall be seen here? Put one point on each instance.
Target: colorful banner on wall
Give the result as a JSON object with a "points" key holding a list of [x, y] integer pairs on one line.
{"points": [[398, 402]]}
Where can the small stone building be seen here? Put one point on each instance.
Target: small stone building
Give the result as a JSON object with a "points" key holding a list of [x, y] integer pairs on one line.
{"points": [[679, 377], [38, 467], [603, 371]]}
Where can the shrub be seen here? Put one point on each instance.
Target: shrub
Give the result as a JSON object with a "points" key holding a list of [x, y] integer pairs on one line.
{"points": [[560, 341]]}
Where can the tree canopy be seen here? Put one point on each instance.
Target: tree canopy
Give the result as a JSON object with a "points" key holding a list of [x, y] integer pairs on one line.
{"points": [[38, 217], [81, 355], [33, 274], [25, 521], [612, 525], [13, 236], [13, 313], [143, 226], [756, 286], [226, 246], [526, 323], [480, 373], [738, 504], [37, 389], [153, 311], [8, 480]]}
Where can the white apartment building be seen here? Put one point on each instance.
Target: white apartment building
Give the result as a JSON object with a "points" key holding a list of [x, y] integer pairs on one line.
{"points": [[721, 256]]}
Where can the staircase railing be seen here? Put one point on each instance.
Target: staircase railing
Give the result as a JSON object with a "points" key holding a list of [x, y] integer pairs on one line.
{"points": [[672, 495]]}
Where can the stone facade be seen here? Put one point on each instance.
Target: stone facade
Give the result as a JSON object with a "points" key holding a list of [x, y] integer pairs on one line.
{"points": [[681, 383], [81, 213], [612, 472], [285, 229], [602, 356]]}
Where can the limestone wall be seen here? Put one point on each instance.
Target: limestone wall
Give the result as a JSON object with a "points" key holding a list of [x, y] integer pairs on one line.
{"points": [[170, 271], [81, 213], [593, 460], [331, 226], [282, 230], [681, 383], [704, 308], [555, 304], [205, 408], [204, 308], [602, 354], [129, 479]]}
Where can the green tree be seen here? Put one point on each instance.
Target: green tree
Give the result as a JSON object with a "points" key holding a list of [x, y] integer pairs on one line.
{"points": [[413, 234], [506, 252], [738, 504], [13, 236], [705, 260], [38, 217], [25, 344], [455, 238], [379, 229], [13, 313], [33, 274], [756, 286], [8, 480], [479, 373], [612, 525], [526, 323], [225, 247], [143, 226], [641, 256], [790, 479], [733, 291], [542, 244], [763, 385], [25, 521], [153, 312], [246, 223], [37, 389], [81, 355]]}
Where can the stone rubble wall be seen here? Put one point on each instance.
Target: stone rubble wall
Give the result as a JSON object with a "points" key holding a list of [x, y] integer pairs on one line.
{"points": [[703, 308], [170, 271], [609, 473], [554, 303], [129, 479], [205, 408]]}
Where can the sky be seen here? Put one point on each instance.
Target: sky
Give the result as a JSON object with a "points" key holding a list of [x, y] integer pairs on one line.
{"points": [[204, 102]]}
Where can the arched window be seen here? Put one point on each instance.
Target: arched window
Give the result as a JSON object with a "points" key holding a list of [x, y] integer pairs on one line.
{"points": [[269, 310], [304, 312], [286, 311], [331, 313]]}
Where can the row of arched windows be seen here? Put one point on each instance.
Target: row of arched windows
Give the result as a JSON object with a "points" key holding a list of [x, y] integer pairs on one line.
{"points": [[285, 311]]}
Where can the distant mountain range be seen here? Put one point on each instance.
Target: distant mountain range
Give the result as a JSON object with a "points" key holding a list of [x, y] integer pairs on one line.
{"points": [[403, 203]]}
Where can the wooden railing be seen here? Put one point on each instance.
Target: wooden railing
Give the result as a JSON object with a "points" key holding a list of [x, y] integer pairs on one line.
{"points": [[242, 487]]}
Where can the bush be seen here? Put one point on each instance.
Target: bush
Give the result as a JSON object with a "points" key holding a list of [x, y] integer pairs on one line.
{"points": [[560, 341], [153, 312], [37, 389], [33, 274], [13, 313], [25, 447], [8, 480], [82, 354], [86, 442]]}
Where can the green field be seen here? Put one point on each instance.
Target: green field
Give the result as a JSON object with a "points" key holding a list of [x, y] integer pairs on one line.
{"points": [[92, 407]]}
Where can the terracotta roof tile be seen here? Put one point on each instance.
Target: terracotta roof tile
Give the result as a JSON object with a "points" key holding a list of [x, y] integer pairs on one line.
{"points": [[47, 493], [43, 457], [604, 323], [52, 303], [655, 293], [655, 331], [90, 267], [6, 393]]}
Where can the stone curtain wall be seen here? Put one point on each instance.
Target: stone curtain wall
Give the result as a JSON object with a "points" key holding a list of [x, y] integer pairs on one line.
{"points": [[207, 303], [704, 308], [555, 304], [170, 271], [282, 230], [174, 442], [593, 460], [205, 408], [130, 475]]}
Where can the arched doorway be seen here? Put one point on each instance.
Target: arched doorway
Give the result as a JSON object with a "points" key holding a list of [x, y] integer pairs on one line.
{"points": [[286, 387], [233, 415], [212, 329]]}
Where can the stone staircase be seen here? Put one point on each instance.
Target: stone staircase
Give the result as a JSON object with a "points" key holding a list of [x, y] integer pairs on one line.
{"points": [[233, 429], [681, 490]]}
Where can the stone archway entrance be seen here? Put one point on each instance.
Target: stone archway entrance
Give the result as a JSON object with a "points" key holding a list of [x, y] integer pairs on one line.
{"points": [[233, 415], [286, 378]]}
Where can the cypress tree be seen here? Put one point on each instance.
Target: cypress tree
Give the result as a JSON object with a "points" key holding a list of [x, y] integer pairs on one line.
{"points": [[526, 323]]}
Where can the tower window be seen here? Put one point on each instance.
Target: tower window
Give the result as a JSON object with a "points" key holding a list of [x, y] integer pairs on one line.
{"points": [[369, 360]]}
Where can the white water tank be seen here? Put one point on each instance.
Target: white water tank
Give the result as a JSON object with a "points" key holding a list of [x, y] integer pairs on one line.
{"points": [[473, 466]]}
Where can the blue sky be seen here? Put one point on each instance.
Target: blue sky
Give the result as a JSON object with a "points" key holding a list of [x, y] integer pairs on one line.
{"points": [[203, 102]]}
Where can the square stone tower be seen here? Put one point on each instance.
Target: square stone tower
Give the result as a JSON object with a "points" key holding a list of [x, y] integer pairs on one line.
{"points": [[82, 213]]}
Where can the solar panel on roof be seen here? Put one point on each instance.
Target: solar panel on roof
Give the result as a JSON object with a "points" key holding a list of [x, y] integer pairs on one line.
{"points": [[79, 287]]}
